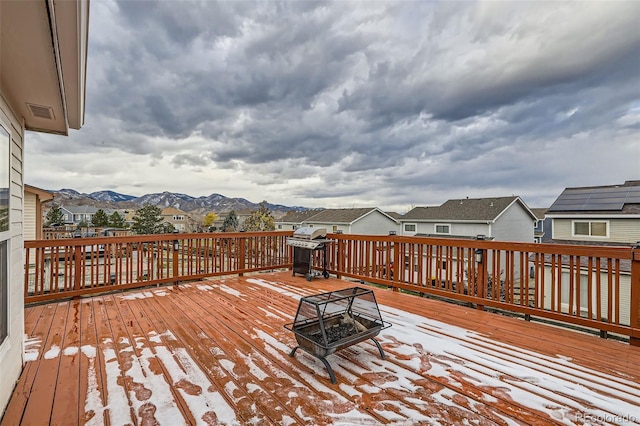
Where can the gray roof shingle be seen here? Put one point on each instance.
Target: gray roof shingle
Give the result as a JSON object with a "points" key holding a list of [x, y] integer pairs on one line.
{"points": [[340, 215], [300, 216], [467, 209]]}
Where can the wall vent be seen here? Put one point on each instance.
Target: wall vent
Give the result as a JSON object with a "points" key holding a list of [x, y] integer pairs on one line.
{"points": [[40, 111]]}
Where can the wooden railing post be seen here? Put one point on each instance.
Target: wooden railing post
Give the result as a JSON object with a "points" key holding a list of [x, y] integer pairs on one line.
{"points": [[339, 258], [176, 247], [398, 251], [77, 267], [242, 260], [635, 296], [480, 257]]}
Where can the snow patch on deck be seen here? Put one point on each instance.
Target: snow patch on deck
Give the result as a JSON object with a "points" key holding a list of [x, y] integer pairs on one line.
{"points": [[460, 358], [53, 352], [31, 348]]}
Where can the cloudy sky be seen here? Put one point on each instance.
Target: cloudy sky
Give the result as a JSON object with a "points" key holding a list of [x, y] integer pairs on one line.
{"points": [[353, 104]]}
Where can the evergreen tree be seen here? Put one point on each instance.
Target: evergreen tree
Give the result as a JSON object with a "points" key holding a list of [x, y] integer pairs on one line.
{"points": [[260, 220], [230, 223], [167, 228], [147, 220], [100, 219], [54, 217], [116, 220]]}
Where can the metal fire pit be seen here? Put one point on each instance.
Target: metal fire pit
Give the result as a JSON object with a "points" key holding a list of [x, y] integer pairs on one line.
{"points": [[328, 322]]}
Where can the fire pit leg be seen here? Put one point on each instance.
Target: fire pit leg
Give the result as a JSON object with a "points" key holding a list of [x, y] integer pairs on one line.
{"points": [[379, 347], [324, 361]]}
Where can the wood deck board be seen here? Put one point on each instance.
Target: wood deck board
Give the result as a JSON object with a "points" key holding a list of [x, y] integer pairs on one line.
{"points": [[189, 334], [40, 401], [216, 352]]}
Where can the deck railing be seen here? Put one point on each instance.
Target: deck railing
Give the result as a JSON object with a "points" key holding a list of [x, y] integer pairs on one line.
{"points": [[73, 267], [589, 286]]}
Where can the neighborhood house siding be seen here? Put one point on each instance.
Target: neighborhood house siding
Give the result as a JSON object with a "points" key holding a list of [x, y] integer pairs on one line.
{"points": [[625, 294], [625, 230], [562, 229], [29, 216], [374, 224], [468, 229], [509, 225]]}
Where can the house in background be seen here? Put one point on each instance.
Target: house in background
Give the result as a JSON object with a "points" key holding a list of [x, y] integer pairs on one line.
{"points": [[74, 215], [597, 214], [43, 59], [294, 219], [33, 211], [542, 228], [606, 215], [180, 220], [500, 218], [363, 221]]}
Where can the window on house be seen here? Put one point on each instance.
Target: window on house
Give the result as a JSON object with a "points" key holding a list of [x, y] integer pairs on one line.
{"points": [[335, 228], [410, 227], [590, 228], [443, 229]]}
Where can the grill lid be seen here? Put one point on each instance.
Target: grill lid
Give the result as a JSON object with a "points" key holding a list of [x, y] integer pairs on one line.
{"points": [[310, 233]]}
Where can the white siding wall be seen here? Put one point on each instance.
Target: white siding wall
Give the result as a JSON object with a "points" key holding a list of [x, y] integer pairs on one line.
{"points": [[457, 229], [625, 230], [29, 216], [468, 229], [625, 294], [280, 226], [327, 226], [375, 223], [11, 350], [514, 224]]}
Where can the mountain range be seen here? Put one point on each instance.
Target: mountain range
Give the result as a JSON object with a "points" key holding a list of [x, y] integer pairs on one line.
{"points": [[216, 203]]}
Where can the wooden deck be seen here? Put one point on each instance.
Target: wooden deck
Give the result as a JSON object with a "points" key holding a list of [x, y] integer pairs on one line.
{"points": [[216, 352]]}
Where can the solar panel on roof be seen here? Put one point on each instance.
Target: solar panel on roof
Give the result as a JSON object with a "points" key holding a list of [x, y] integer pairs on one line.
{"points": [[596, 199]]}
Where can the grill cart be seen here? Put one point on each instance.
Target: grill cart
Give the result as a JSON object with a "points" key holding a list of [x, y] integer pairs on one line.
{"points": [[328, 322], [305, 242]]}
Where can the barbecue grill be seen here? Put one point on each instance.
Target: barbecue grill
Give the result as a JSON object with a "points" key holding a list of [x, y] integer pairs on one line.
{"points": [[305, 241], [329, 322]]}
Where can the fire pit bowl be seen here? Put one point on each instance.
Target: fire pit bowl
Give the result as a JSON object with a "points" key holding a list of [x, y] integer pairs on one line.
{"points": [[328, 322]]}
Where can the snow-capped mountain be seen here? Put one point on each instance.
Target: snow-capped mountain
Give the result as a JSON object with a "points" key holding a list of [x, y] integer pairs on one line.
{"points": [[110, 196], [198, 205]]}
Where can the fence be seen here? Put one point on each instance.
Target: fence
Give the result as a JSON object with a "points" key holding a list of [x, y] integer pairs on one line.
{"points": [[590, 286], [73, 267]]}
